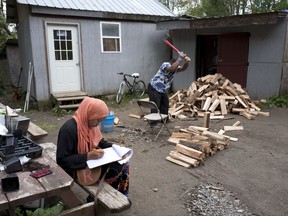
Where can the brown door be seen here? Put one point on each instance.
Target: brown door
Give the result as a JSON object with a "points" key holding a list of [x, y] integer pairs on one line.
{"points": [[233, 57]]}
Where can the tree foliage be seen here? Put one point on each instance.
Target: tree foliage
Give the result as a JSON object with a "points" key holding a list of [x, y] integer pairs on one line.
{"points": [[6, 32], [218, 8]]}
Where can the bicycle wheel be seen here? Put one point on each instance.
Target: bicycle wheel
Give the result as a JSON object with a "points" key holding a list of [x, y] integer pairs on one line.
{"points": [[120, 92], [139, 89]]}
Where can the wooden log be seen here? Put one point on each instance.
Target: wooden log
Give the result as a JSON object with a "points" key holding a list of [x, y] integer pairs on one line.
{"points": [[214, 135], [178, 156], [181, 135], [190, 152], [192, 98], [135, 116], [200, 145], [174, 95], [231, 91], [173, 140], [226, 82], [179, 162], [182, 117], [216, 117], [239, 88], [215, 78], [116, 120], [234, 139], [236, 123], [202, 88], [200, 137], [254, 106], [238, 110], [223, 106], [248, 115], [214, 105], [198, 128], [221, 131], [241, 101], [266, 114], [226, 97], [206, 120], [175, 114], [207, 103], [233, 128]]}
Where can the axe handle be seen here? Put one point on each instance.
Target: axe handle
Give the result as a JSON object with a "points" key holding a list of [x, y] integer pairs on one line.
{"points": [[171, 46]]}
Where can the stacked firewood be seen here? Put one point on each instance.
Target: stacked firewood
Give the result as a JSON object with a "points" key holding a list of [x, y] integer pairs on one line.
{"points": [[195, 144], [214, 94]]}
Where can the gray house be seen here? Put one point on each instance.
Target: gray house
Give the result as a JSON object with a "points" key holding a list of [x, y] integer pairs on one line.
{"points": [[251, 50], [77, 47]]}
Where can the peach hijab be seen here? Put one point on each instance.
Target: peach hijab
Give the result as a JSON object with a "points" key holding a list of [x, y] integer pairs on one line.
{"points": [[89, 109]]}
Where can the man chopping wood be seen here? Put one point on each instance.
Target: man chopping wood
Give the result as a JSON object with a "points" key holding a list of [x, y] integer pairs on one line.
{"points": [[159, 85]]}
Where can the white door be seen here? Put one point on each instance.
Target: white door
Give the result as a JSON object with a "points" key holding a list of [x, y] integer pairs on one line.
{"points": [[63, 48]]}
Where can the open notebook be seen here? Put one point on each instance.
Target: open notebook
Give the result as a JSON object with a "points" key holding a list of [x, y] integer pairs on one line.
{"points": [[114, 153]]}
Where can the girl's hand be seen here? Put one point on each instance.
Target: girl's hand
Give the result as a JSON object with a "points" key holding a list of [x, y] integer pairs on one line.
{"points": [[95, 153]]}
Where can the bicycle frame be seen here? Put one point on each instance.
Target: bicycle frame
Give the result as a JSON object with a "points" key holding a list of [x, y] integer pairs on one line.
{"points": [[128, 84]]}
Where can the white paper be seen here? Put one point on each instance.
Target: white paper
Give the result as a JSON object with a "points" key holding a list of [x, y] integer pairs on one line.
{"points": [[125, 153], [114, 153]]}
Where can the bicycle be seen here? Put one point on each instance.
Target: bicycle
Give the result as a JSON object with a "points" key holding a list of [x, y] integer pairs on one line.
{"points": [[137, 88]]}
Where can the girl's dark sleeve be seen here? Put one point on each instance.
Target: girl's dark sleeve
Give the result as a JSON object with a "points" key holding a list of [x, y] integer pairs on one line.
{"points": [[104, 144], [67, 154]]}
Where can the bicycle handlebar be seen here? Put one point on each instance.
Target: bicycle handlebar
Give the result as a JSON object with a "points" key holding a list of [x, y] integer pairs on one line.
{"points": [[121, 73]]}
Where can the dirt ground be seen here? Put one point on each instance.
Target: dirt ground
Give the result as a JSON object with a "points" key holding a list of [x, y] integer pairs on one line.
{"points": [[254, 168]]}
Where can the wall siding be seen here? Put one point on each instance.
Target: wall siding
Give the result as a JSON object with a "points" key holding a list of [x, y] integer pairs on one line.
{"points": [[265, 56], [143, 51]]}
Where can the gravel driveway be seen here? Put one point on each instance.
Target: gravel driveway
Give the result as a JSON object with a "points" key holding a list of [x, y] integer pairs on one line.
{"points": [[250, 177]]}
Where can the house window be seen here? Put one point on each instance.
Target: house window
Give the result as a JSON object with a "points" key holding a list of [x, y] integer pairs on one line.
{"points": [[110, 34], [63, 44]]}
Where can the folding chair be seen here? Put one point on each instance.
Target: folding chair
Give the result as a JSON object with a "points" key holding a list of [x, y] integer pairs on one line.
{"points": [[153, 117]]}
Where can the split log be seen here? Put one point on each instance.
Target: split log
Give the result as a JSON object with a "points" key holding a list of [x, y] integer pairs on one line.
{"points": [[223, 106], [207, 103], [206, 119], [190, 152], [214, 105], [214, 135], [248, 115], [232, 128], [179, 162], [178, 156], [181, 135], [200, 145], [135, 116], [198, 128], [236, 123]]}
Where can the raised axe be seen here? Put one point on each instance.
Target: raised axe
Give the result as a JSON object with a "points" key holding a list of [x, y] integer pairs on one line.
{"points": [[166, 41]]}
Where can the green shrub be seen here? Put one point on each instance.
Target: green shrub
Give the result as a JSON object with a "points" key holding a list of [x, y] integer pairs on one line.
{"points": [[277, 101]]}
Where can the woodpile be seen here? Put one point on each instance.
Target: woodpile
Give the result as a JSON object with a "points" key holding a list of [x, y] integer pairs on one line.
{"points": [[216, 95], [210, 97], [195, 144]]}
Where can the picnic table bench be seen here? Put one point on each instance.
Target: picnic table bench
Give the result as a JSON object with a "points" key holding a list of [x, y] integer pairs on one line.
{"points": [[110, 198]]}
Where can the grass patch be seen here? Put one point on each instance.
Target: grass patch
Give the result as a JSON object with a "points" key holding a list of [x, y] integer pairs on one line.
{"points": [[276, 101], [47, 127]]}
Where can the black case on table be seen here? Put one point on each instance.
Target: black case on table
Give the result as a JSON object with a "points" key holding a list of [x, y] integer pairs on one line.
{"points": [[21, 146]]}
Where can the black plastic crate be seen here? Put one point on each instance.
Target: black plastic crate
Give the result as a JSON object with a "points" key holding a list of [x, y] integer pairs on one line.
{"points": [[21, 146]]}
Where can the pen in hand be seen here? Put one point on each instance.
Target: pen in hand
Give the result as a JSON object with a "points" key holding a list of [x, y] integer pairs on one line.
{"points": [[95, 153]]}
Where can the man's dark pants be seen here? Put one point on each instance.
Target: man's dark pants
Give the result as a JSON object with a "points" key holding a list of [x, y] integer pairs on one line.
{"points": [[161, 99]]}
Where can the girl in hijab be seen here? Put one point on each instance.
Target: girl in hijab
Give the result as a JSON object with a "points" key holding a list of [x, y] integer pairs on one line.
{"points": [[80, 139]]}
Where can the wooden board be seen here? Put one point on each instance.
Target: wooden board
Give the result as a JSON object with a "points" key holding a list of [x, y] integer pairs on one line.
{"points": [[35, 131]]}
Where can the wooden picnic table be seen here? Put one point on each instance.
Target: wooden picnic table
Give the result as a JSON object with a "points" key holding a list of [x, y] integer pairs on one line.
{"points": [[30, 189]]}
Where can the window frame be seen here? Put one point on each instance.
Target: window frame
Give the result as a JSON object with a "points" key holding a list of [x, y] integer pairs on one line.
{"points": [[110, 37]]}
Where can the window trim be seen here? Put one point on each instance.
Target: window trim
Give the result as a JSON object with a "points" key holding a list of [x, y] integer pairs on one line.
{"points": [[102, 37]]}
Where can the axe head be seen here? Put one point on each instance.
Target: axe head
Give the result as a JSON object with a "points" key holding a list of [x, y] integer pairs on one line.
{"points": [[167, 36]]}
